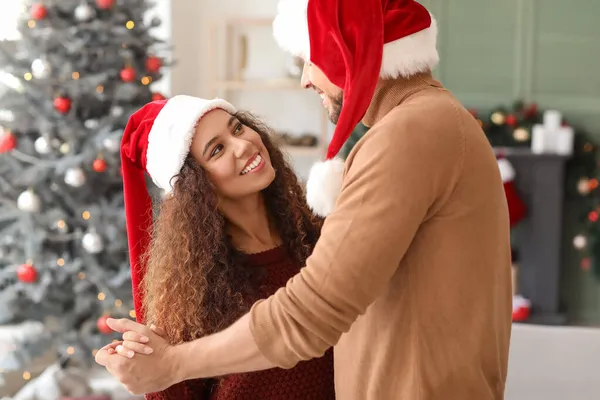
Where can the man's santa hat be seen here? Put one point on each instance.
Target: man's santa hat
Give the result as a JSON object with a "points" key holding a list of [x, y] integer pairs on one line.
{"points": [[157, 141], [516, 207], [354, 43]]}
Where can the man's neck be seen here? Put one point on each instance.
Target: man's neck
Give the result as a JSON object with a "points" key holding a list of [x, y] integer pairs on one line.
{"points": [[249, 225], [391, 92]]}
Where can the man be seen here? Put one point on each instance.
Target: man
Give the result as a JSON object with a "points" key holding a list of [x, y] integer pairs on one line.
{"points": [[410, 280]]}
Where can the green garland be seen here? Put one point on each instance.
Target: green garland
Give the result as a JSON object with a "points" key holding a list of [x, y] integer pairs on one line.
{"points": [[512, 127]]}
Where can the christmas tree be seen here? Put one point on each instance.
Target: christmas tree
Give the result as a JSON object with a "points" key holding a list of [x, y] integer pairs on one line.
{"points": [[80, 68]]}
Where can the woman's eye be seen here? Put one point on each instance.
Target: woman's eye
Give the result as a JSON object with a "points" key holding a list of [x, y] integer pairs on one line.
{"points": [[216, 150], [239, 128]]}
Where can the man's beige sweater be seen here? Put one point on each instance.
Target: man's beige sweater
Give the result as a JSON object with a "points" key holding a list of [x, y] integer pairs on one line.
{"points": [[411, 279]]}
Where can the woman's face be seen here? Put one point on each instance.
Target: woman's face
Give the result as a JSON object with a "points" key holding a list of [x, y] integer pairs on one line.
{"points": [[232, 154]]}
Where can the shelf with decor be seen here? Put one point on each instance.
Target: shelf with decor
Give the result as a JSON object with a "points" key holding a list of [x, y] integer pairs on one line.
{"points": [[242, 63]]}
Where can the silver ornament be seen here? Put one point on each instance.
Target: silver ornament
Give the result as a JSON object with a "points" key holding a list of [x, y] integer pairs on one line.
{"points": [[75, 177], [84, 12], [91, 123], [92, 242], [40, 68], [29, 201], [117, 111], [42, 146], [579, 242], [111, 144]]}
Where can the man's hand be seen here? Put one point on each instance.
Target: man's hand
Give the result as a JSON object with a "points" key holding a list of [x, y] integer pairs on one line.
{"points": [[149, 371]]}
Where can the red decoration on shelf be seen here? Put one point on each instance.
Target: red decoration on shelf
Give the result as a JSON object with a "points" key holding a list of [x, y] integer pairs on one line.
{"points": [[103, 326], [593, 216], [511, 120], [531, 110], [105, 4], [157, 97], [27, 273], [153, 64], [99, 165], [38, 11], [128, 74], [586, 264], [62, 104], [8, 142]]}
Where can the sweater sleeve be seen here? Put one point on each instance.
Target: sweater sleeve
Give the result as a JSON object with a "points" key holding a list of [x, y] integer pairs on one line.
{"points": [[390, 188]]}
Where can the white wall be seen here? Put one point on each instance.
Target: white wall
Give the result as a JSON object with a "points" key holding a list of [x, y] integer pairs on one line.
{"points": [[191, 27], [162, 10]]}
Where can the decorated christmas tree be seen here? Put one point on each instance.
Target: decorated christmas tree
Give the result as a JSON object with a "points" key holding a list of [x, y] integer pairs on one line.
{"points": [[79, 69]]}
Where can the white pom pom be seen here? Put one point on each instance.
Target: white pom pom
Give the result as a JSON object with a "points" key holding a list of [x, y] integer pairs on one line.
{"points": [[324, 186], [507, 172]]}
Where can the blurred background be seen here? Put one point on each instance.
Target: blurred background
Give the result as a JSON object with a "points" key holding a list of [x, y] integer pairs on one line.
{"points": [[72, 71]]}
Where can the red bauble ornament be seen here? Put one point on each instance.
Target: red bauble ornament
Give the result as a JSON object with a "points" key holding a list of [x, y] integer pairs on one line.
{"points": [[153, 64], [62, 104], [38, 11], [531, 111], [103, 326], [511, 120], [593, 216], [128, 74], [99, 165], [27, 273], [586, 264], [8, 142], [157, 97], [105, 4]]}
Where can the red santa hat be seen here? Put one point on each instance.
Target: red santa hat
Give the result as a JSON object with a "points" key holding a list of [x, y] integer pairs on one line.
{"points": [[516, 206], [354, 42], [156, 140]]}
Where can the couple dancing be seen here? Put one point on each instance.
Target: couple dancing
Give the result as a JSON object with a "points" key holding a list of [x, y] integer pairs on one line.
{"points": [[242, 289]]}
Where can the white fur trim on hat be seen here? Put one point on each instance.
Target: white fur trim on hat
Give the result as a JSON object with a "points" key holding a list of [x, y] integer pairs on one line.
{"points": [[412, 54], [290, 27], [171, 135], [507, 172], [403, 57], [324, 185]]}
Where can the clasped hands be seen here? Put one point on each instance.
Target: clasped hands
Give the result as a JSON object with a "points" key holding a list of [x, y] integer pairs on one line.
{"points": [[144, 362]]}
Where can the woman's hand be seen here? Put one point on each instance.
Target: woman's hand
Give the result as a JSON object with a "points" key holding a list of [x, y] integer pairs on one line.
{"points": [[146, 373], [134, 342]]}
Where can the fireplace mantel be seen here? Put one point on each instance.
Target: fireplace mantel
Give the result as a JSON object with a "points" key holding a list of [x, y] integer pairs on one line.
{"points": [[540, 180]]}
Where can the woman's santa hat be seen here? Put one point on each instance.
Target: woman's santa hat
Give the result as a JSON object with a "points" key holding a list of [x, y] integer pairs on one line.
{"points": [[516, 207], [354, 42], [157, 141]]}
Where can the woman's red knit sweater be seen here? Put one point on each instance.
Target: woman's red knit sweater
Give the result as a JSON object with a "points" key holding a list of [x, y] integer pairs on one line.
{"points": [[311, 379]]}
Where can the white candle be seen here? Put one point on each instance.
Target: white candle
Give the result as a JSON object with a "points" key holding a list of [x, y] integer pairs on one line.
{"points": [[539, 140], [564, 141]]}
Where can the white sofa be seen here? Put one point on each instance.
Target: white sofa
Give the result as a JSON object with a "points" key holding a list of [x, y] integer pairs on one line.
{"points": [[554, 363]]}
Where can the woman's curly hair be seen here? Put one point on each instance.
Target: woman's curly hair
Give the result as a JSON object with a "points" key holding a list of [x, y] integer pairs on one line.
{"points": [[195, 282]]}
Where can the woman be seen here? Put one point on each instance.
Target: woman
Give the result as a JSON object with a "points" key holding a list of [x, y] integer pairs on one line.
{"points": [[232, 229]]}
